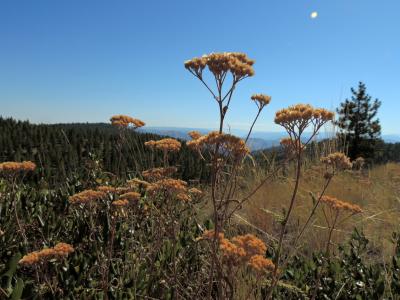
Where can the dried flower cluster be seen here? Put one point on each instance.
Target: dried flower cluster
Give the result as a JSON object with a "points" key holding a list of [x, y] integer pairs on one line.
{"points": [[194, 134], [120, 202], [337, 204], [242, 250], [124, 121], [171, 187], [301, 115], [12, 167], [136, 182], [86, 197], [337, 161], [167, 144], [130, 196], [106, 189], [261, 264], [228, 144], [158, 173], [59, 250], [261, 100], [246, 249], [220, 63]]}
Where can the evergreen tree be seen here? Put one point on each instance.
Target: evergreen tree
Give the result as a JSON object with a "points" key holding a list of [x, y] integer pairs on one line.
{"points": [[358, 124]]}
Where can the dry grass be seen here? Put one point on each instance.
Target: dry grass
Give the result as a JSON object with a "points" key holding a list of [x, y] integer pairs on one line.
{"points": [[377, 191]]}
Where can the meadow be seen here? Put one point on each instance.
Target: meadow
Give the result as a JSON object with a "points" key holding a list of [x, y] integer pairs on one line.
{"points": [[205, 218]]}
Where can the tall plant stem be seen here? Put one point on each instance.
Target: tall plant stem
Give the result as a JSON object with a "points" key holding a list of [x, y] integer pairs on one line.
{"points": [[284, 224]]}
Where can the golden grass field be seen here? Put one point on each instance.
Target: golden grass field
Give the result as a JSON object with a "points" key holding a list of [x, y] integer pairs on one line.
{"points": [[377, 191]]}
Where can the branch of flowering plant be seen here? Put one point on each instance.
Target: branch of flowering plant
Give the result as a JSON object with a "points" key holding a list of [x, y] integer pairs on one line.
{"points": [[294, 244]]}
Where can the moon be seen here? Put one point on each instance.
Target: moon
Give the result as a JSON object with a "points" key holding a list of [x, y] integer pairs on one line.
{"points": [[314, 15]]}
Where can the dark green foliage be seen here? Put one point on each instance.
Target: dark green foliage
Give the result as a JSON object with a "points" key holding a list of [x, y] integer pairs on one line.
{"points": [[64, 150], [358, 124]]}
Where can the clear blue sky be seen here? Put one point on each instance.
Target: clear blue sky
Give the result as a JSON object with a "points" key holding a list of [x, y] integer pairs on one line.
{"points": [[78, 61]]}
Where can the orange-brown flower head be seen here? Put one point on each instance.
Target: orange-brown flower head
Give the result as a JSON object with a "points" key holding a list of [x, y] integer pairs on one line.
{"points": [[12, 167], [337, 161], [167, 185], [231, 253], [195, 193], [299, 116], [194, 134], [120, 202], [136, 182], [106, 189], [220, 63], [261, 264], [261, 100], [60, 250], [167, 144], [130, 196], [63, 249], [86, 197], [184, 197], [158, 173], [337, 204], [251, 244], [124, 121], [228, 144]]}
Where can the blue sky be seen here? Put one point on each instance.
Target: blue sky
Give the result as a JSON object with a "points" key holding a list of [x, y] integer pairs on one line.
{"points": [[78, 61]]}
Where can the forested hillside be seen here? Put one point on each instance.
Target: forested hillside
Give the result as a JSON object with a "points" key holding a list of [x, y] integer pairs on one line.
{"points": [[65, 150]]}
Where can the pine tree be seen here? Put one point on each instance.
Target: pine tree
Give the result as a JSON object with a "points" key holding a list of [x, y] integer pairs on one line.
{"points": [[358, 124]]}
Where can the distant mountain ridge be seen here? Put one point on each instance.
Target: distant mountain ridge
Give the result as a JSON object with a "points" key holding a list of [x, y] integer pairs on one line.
{"points": [[258, 139]]}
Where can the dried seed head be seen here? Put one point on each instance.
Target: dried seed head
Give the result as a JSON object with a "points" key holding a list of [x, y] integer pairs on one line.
{"points": [[299, 114], [86, 197], [59, 250], [12, 167], [168, 145], [220, 63], [341, 205], [337, 161], [158, 173], [261, 264], [124, 121], [261, 100]]}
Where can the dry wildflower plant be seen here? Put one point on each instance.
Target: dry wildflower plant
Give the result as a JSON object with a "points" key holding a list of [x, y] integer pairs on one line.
{"points": [[226, 154], [144, 234]]}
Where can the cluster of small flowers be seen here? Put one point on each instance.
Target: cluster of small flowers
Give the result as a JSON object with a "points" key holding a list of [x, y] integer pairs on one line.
{"points": [[261, 100], [338, 161], [136, 182], [125, 121], [59, 250], [341, 205], [12, 167], [130, 196], [86, 196], [242, 249], [194, 134], [227, 142], [120, 202], [220, 63], [107, 189], [158, 173], [167, 144], [301, 113], [172, 187]]}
